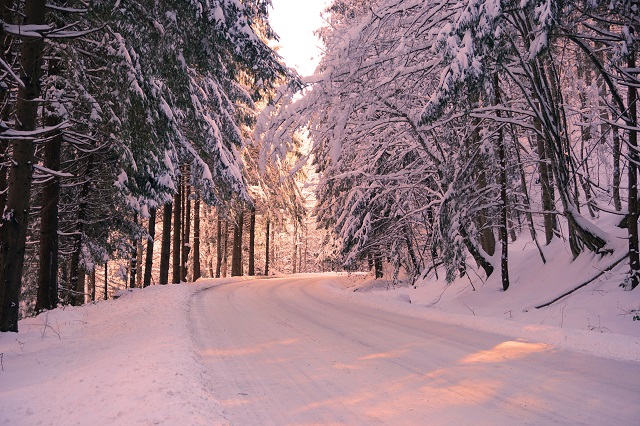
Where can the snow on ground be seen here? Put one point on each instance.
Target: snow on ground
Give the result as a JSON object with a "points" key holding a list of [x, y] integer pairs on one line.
{"points": [[134, 361], [119, 362], [597, 319]]}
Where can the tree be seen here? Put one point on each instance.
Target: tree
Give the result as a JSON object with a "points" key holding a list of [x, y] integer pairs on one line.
{"points": [[196, 238], [13, 232], [148, 264]]}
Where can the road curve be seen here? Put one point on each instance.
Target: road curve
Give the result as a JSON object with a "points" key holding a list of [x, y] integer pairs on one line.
{"points": [[288, 352]]}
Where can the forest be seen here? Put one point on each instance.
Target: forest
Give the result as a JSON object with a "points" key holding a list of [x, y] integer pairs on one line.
{"points": [[120, 116], [445, 130], [432, 135]]}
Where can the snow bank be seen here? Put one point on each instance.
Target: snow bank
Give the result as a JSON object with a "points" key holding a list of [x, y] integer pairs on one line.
{"points": [[597, 319], [120, 362]]}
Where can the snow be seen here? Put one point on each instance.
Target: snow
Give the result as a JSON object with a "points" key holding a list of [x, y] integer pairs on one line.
{"points": [[138, 359], [118, 362], [597, 319]]}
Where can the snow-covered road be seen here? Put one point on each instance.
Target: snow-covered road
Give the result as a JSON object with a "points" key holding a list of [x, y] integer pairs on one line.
{"points": [[288, 351]]}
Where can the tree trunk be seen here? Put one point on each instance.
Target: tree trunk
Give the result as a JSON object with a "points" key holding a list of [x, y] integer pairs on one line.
{"points": [[13, 233], [106, 280], [6, 108], [82, 294], [135, 259], [196, 238], [295, 247], [225, 244], [377, 262], [48, 263], [487, 239], [236, 256], [139, 264], [266, 251], [252, 241], [186, 248], [477, 253], [148, 262], [76, 294], [92, 284], [546, 184], [219, 248], [616, 179], [502, 230], [165, 248], [634, 256], [133, 266], [177, 216]]}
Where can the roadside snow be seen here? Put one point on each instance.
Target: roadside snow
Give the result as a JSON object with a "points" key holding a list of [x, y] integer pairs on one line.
{"points": [[597, 319], [119, 362]]}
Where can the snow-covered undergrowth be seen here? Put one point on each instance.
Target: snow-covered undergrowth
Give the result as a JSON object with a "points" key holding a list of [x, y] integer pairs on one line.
{"points": [[598, 318], [119, 362]]}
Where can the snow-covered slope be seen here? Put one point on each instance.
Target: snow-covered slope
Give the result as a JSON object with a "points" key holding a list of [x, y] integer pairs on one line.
{"points": [[598, 318]]}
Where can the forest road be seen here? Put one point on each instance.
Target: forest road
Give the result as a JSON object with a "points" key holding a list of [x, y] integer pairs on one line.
{"points": [[287, 351]]}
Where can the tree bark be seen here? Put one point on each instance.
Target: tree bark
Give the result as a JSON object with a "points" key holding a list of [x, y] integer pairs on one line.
{"points": [[82, 294], [92, 284], [196, 238], [616, 178], [106, 280], [502, 180], [266, 251], [186, 248], [139, 264], [13, 233], [48, 263], [6, 54], [148, 262], [377, 262], [477, 253], [165, 248], [634, 256], [76, 294], [236, 256], [177, 216], [295, 247], [546, 184], [225, 244], [252, 242], [487, 239], [219, 248], [133, 266]]}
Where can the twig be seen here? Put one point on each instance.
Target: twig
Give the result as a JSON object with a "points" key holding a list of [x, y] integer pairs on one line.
{"points": [[472, 311], [46, 325], [590, 280]]}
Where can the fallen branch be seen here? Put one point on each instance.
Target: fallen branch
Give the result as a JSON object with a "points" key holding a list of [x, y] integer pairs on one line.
{"points": [[590, 280]]}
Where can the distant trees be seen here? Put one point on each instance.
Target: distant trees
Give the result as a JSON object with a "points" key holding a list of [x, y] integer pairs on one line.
{"points": [[443, 128]]}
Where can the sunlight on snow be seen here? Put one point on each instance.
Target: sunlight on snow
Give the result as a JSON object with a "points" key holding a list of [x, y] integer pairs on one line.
{"points": [[506, 351], [249, 349]]}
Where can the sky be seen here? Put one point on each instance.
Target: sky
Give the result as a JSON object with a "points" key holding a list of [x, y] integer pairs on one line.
{"points": [[294, 21]]}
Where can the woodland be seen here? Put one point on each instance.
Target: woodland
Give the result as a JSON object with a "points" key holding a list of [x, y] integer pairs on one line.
{"points": [[445, 130], [432, 135]]}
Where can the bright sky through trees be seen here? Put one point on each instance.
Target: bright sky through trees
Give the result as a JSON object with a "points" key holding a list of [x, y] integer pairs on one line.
{"points": [[295, 21]]}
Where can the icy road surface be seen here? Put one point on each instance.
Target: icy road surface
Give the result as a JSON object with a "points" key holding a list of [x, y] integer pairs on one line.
{"points": [[289, 352]]}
